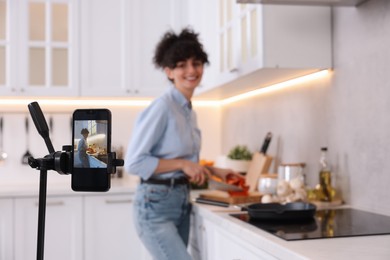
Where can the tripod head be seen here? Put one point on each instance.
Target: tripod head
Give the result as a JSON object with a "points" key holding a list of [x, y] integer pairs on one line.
{"points": [[58, 161], [40, 124]]}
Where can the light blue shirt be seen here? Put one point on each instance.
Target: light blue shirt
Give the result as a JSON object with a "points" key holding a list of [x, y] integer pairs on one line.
{"points": [[167, 129]]}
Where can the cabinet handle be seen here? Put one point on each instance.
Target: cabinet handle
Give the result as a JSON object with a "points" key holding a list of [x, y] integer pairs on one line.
{"points": [[233, 70], [119, 201], [52, 203]]}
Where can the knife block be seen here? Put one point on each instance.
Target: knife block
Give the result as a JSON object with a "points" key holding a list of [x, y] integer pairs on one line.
{"points": [[259, 165]]}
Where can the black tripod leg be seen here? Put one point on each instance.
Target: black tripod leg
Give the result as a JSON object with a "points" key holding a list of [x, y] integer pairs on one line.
{"points": [[41, 214]]}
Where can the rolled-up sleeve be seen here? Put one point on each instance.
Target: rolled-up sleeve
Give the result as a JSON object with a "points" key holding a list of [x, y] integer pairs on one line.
{"points": [[148, 130]]}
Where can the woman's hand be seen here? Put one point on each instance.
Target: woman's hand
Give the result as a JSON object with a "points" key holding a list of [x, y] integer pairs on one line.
{"points": [[222, 173], [197, 173]]}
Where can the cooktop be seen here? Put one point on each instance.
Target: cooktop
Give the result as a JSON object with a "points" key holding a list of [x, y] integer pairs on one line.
{"points": [[329, 223]]}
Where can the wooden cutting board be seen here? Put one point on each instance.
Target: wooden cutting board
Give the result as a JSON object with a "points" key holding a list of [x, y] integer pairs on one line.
{"points": [[259, 165], [223, 196]]}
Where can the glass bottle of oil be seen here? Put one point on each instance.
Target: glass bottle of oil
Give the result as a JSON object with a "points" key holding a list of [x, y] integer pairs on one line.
{"points": [[325, 190]]}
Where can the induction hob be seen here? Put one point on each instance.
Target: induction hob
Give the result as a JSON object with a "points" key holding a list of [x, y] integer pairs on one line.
{"points": [[329, 223]]}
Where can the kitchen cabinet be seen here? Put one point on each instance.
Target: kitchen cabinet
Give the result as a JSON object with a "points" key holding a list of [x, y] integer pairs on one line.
{"points": [[63, 232], [117, 45], [6, 229], [210, 240], [207, 27], [201, 240], [306, 2], [78, 227], [260, 45], [38, 48], [228, 246], [109, 229]]}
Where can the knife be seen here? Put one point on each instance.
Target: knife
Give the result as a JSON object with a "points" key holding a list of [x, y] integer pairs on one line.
{"points": [[212, 202], [266, 142]]}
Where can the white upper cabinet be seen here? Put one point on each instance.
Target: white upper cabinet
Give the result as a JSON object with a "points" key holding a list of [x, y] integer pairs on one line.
{"points": [[118, 38], [38, 47], [201, 17], [105, 47], [259, 45]]}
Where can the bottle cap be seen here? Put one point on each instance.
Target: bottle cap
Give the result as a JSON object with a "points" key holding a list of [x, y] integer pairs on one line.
{"points": [[324, 148]]}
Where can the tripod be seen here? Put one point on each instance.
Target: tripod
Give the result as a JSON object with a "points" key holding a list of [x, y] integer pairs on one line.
{"points": [[58, 161]]}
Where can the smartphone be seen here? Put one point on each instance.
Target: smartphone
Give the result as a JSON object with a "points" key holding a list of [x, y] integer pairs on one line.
{"points": [[91, 144]]}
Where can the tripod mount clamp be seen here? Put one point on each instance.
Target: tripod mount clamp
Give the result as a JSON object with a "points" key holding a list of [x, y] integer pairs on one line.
{"points": [[58, 161], [113, 162]]}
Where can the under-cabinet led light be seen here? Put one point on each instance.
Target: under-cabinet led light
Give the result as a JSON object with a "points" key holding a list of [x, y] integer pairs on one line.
{"points": [[145, 102], [274, 87], [78, 102]]}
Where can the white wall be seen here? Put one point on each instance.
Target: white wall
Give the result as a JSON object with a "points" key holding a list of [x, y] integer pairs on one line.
{"points": [[349, 112]]}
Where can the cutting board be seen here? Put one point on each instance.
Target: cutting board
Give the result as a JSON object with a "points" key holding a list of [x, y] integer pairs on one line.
{"points": [[223, 196], [259, 165]]}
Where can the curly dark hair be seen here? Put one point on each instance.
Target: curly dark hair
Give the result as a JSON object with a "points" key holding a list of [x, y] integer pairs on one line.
{"points": [[84, 131], [173, 48]]}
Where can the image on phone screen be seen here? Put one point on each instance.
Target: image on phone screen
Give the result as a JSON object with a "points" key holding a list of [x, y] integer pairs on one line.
{"points": [[90, 143]]}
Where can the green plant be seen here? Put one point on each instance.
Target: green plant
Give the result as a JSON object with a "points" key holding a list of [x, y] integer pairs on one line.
{"points": [[240, 152]]}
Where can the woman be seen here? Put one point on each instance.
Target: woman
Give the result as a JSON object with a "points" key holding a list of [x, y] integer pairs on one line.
{"points": [[82, 148], [164, 150]]}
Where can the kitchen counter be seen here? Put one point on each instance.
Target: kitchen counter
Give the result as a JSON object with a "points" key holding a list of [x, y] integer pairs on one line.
{"points": [[118, 186], [364, 247]]}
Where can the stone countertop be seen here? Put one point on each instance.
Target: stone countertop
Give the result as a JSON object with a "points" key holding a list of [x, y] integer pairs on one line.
{"points": [[357, 248]]}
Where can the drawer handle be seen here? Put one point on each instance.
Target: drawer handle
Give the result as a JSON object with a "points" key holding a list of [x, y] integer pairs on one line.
{"points": [[119, 201], [52, 203]]}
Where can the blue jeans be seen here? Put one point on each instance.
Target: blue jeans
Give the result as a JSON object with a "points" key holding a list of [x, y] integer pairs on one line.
{"points": [[162, 220]]}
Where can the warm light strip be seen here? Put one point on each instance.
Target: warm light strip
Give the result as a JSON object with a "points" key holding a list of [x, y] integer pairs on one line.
{"points": [[78, 102], [146, 102], [275, 87], [98, 102], [206, 103]]}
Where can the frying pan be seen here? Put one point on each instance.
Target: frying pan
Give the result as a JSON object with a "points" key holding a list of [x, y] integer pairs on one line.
{"points": [[293, 211]]}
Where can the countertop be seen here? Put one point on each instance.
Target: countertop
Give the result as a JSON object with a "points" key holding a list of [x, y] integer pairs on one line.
{"points": [[118, 186], [365, 247]]}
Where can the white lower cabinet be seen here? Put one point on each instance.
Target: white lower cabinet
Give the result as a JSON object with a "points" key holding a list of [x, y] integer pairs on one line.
{"points": [[109, 229], [228, 246], [210, 241], [6, 229], [201, 238], [79, 227], [63, 230]]}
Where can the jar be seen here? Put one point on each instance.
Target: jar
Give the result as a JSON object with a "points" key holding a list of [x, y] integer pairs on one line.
{"points": [[290, 171]]}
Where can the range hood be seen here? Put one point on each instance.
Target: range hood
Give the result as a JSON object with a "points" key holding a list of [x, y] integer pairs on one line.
{"points": [[305, 2]]}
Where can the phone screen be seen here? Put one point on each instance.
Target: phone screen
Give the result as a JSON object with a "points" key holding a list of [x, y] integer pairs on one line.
{"points": [[91, 145]]}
